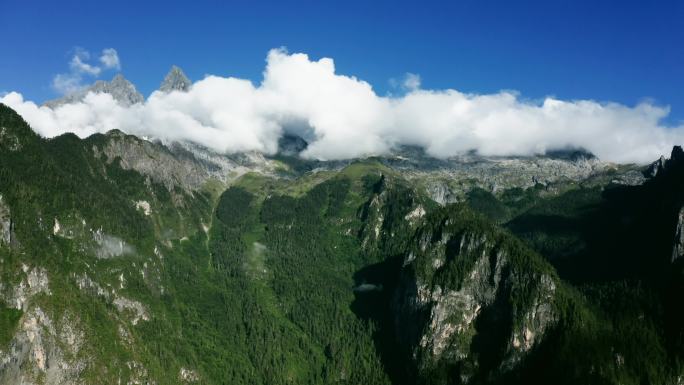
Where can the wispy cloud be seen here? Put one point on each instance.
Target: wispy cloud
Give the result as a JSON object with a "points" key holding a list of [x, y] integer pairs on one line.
{"points": [[110, 59], [411, 82], [342, 117], [81, 70]]}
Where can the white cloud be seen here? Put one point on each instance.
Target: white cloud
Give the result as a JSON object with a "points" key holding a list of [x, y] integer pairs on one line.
{"points": [[78, 65], [411, 81], [79, 69], [342, 117], [67, 83], [110, 59]]}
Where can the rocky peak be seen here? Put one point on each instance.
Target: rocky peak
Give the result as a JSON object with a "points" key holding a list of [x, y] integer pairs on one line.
{"points": [[664, 167], [119, 88], [655, 168], [175, 80]]}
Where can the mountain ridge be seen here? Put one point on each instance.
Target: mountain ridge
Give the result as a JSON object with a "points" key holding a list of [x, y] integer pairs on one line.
{"points": [[139, 262]]}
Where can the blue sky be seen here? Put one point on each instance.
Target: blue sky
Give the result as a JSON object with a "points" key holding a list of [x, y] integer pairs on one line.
{"points": [[613, 51]]}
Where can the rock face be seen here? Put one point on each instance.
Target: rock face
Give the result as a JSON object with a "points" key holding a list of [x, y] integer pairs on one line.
{"points": [[448, 180], [177, 164], [153, 160], [655, 168], [175, 80], [678, 245], [5, 224], [469, 304], [119, 88], [43, 349]]}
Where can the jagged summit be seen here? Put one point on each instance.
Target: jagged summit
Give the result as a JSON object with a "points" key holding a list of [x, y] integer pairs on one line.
{"points": [[664, 165], [175, 80], [119, 87]]}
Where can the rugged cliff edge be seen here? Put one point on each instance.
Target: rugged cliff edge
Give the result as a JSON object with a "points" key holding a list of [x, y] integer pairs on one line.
{"points": [[471, 301]]}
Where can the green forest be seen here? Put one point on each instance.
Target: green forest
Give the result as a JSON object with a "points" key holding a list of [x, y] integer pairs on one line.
{"points": [[295, 279]]}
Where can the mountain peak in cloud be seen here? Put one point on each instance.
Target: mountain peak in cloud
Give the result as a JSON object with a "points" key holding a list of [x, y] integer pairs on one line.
{"points": [[342, 117], [121, 90], [175, 80]]}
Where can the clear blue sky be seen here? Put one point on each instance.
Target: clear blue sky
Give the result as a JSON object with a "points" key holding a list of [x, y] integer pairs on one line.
{"points": [[620, 51]]}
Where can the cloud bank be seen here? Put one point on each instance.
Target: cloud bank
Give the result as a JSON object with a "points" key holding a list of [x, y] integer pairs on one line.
{"points": [[342, 117]]}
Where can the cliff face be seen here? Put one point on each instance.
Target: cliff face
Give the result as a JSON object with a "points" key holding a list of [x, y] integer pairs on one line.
{"points": [[5, 223], [182, 165], [471, 302]]}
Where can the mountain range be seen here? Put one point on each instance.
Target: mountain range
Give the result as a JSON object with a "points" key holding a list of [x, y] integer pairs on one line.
{"points": [[127, 260]]}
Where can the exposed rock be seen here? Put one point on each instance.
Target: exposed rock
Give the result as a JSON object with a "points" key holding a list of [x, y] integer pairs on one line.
{"points": [[449, 180], [415, 214], [35, 282], [144, 206], [56, 227], [136, 309], [153, 160], [188, 375], [436, 317], [175, 80], [9, 140], [629, 178], [5, 223], [440, 192], [655, 168], [678, 244], [139, 375], [179, 164], [119, 88]]}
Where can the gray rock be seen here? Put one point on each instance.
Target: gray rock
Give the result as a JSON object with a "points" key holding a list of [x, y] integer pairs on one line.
{"points": [[119, 88], [153, 160], [678, 244], [5, 224], [655, 168], [449, 180], [175, 80], [436, 320], [179, 164]]}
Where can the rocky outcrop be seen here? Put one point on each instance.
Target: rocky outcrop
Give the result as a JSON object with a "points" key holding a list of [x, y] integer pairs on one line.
{"points": [[119, 88], [449, 180], [153, 160], [678, 244], [175, 80], [43, 351], [178, 164], [469, 304], [5, 224], [655, 168]]}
